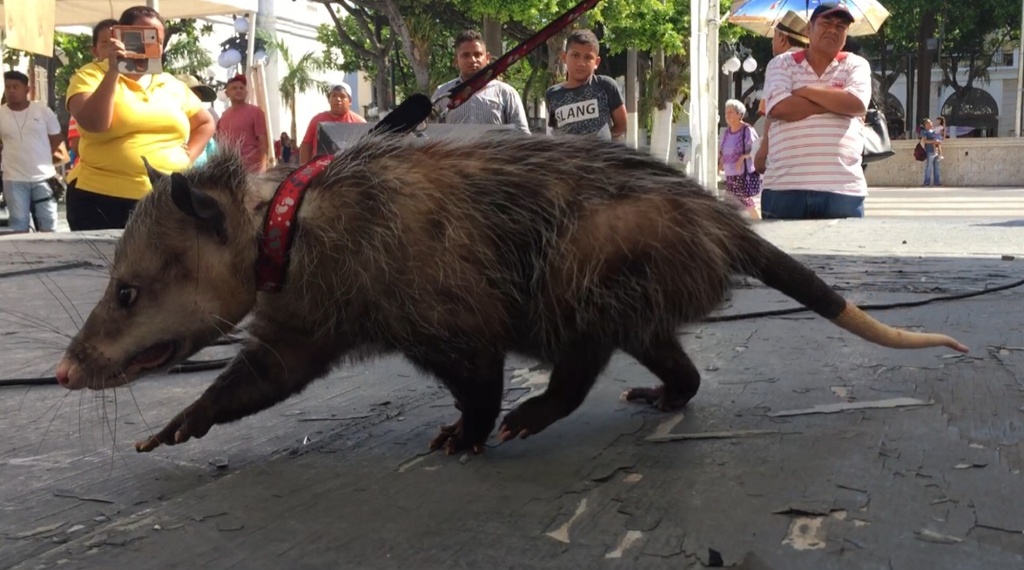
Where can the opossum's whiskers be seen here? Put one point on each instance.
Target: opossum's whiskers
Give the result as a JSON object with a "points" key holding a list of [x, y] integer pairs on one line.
{"points": [[81, 404], [31, 364], [56, 406], [58, 346], [112, 427], [71, 303], [111, 430], [43, 281], [138, 408], [25, 319], [102, 256]]}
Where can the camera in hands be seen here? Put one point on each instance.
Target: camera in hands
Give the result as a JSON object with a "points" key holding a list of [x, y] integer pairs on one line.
{"points": [[142, 49]]}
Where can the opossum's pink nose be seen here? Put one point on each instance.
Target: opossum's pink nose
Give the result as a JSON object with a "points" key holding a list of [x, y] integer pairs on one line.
{"points": [[66, 372]]}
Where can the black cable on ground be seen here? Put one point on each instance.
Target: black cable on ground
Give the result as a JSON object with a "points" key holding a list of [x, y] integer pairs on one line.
{"points": [[216, 363], [199, 365], [868, 307], [28, 381], [48, 269], [184, 367]]}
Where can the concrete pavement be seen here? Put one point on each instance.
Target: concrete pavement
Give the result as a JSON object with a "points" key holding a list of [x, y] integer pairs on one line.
{"points": [[338, 477], [945, 202]]}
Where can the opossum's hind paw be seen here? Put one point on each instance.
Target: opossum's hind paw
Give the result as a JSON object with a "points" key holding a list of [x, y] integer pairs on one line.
{"points": [[453, 440], [657, 397]]}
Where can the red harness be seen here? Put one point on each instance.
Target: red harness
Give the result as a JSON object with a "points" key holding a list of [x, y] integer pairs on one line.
{"points": [[279, 225]]}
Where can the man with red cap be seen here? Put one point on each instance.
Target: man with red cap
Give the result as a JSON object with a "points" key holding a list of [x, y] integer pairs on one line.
{"points": [[817, 99], [244, 126]]}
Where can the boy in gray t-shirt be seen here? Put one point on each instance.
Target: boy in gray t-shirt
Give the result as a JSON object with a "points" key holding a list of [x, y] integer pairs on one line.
{"points": [[586, 103]]}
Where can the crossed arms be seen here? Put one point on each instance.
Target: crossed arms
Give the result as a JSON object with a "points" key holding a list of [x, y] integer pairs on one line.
{"points": [[816, 100]]}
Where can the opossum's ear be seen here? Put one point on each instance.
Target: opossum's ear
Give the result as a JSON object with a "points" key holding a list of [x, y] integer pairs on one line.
{"points": [[406, 117], [155, 175], [199, 205]]}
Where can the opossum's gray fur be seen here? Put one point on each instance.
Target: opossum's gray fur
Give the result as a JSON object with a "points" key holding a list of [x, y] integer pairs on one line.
{"points": [[452, 252], [399, 241]]}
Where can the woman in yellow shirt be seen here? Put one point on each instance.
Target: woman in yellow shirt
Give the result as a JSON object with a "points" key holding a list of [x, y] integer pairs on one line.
{"points": [[122, 118]]}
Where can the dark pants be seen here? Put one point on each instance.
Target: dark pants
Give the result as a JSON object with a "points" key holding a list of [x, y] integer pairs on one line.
{"points": [[809, 205], [91, 211]]}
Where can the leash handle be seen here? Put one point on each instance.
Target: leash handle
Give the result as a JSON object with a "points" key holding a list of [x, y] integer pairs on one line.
{"points": [[463, 91]]}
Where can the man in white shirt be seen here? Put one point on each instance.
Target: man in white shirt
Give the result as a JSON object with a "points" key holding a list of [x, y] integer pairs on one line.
{"points": [[817, 99], [30, 135], [498, 103]]}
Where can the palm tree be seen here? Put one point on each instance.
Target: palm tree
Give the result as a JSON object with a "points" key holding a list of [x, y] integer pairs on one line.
{"points": [[299, 78]]}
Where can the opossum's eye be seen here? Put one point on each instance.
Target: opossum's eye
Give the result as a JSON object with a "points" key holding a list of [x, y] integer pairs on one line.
{"points": [[126, 295]]}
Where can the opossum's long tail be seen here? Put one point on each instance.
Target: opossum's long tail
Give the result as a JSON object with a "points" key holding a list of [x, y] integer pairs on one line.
{"points": [[778, 270]]}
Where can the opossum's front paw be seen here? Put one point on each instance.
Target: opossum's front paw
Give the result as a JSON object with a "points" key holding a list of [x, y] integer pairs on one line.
{"points": [[182, 428], [529, 418], [658, 397], [454, 440]]}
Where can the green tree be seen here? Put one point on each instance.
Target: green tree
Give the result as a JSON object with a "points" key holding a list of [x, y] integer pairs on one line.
{"points": [[411, 25], [361, 40], [183, 52], [971, 34], [365, 40], [967, 35], [299, 77]]}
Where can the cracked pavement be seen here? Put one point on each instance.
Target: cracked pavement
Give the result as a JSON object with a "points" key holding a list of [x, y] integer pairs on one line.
{"points": [[339, 476]]}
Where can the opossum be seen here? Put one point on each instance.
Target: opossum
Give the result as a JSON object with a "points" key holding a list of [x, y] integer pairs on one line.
{"points": [[451, 252]]}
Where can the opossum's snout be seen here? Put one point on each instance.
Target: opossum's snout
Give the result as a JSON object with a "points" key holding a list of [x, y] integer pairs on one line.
{"points": [[78, 372]]}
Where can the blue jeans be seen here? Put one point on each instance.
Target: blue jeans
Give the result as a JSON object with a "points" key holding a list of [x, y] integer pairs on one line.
{"points": [[809, 205], [931, 170], [22, 197]]}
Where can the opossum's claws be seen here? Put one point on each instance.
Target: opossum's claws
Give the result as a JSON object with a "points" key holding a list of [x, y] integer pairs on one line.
{"points": [[147, 445], [185, 426], [453, 440], [529, 418], [505, 434], [657, 397], [446, 434]]}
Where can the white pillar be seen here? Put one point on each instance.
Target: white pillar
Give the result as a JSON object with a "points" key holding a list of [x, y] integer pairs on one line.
{"points": [[267, 22], [662, 132], [250, 48], [1017, 126], [632, 117], [704, 22]]}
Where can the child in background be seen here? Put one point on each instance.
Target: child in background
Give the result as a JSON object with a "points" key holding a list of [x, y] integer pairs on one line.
{"points": [[586, 103], [940, 134]]}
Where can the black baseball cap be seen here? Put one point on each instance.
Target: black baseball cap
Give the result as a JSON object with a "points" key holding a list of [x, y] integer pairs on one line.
{"points": [[832, 9]]}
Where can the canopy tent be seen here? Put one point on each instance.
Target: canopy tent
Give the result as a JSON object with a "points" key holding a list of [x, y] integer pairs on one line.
{"points": [[88, 12]]}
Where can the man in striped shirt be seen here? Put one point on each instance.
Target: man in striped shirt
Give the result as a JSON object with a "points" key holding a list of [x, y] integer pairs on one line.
{"points": [[817, 99], [498, 103]]}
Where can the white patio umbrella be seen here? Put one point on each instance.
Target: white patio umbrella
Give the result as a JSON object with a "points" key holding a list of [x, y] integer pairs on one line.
{"points": [[760, 16]]}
